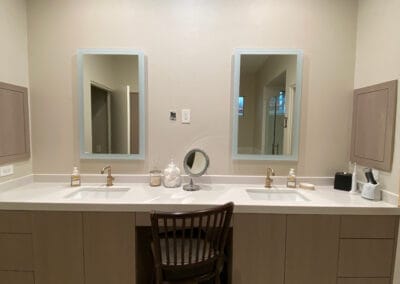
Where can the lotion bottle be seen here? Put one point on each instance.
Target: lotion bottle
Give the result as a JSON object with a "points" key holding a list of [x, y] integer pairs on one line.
{"points": [[75, 177], [291, 179], [354, 180]]}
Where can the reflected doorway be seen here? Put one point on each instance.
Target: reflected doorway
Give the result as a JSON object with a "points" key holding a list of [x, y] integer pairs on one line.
{"points": [[101, 119]]}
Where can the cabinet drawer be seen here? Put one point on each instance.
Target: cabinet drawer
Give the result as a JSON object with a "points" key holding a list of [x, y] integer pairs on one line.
{"points": [[15, 222], [363, 281], [368, 226], [16, 252], [365, 258], [14, 277]]}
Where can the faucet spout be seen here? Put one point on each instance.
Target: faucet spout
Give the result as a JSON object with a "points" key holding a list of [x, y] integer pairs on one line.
{"points": [[268, 179], [110, 178]]}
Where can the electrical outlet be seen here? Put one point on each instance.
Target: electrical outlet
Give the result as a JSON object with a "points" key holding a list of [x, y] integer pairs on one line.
{"points": [[186, 116], [6, 170]]}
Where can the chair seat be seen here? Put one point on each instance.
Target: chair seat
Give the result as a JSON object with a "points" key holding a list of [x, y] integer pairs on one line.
{"points": [[189, 251]]}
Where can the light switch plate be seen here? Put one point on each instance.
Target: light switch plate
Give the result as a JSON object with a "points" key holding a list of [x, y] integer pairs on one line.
{"points": [[6, 170], [185, 115]]}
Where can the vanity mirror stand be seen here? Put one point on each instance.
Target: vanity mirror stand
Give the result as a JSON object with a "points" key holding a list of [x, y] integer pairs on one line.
{"points": [[195, 164]]}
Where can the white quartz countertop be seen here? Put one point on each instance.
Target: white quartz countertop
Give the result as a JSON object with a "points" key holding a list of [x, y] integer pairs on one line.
{"points": [[140, 197]]}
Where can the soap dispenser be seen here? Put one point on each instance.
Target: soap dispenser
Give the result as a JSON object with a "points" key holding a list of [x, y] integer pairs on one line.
{"points": [[75, 177], [172, 175], [291, 179]]}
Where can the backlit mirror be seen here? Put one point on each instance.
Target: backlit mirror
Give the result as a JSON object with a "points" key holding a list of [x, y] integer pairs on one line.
{"points": [[111, 88], [266, 104]]}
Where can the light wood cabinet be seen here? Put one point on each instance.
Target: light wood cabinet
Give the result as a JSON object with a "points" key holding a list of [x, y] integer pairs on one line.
{"points": [[16, 277], [15, 222], [58, 248], [258, 248], [16, 252], [376, 227], [312, 244], [109, 242]]}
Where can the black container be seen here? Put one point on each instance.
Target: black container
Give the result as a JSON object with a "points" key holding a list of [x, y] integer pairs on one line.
{"points": [[343, 181]]}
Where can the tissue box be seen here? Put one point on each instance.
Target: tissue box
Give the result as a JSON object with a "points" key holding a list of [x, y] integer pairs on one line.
{"points": [[342, 181]]}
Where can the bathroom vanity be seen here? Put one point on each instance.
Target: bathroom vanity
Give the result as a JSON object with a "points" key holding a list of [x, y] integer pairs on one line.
{"points": [[52, 233]]}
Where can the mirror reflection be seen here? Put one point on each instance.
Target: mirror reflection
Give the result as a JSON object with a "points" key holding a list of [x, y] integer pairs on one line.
{"points": [[266, 111], [111, 104]]}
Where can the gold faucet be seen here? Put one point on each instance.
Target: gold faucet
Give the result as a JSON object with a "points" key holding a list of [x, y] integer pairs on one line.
{"points": [[110, 178], [268, 179]]}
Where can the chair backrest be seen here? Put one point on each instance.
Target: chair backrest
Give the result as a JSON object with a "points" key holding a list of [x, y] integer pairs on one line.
{"points": [[189, 239]]}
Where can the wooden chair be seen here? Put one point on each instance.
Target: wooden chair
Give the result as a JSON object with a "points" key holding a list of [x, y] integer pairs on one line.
{"points": [[188, 247]]}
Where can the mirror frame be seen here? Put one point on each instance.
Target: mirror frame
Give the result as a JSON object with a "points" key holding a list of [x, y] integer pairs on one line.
{"points": [[296, 108], [141, 88]]}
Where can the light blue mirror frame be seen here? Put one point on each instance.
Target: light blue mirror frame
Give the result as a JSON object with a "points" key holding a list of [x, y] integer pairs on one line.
{"points": [[296, 109], [141, 88]]}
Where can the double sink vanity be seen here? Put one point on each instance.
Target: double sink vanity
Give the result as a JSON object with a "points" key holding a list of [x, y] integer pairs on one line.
{"points": [[53, 233]]}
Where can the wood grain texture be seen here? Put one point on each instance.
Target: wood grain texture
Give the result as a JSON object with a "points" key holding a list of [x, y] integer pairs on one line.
{"points": [[374, 114], [109, 240], [16, 252], [258, 248], [14, 277], [368, 226], [58, 248], [15, 222], [14, 123], [363, 281], [365, 258], [312, 244]]}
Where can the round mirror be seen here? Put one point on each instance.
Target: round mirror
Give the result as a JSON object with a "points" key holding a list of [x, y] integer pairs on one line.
{"points": [[195, 164]]}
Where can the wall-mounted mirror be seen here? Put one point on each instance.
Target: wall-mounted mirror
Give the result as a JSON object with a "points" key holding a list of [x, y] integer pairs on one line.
{"points": [[266, 104], [111, 103]]}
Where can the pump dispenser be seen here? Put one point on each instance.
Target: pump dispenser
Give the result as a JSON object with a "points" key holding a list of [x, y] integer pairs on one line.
{"points": [[291, 179], [75, 177]]}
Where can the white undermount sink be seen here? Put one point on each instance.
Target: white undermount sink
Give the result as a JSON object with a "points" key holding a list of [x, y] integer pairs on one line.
{"points": [[284, 195], [100, 192]]}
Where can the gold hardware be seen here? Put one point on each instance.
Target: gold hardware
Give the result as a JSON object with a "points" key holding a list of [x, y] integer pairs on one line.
{"points": [[268, 179], [110, 178]]}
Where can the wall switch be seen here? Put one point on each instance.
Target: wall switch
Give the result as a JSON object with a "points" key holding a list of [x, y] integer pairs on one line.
{"points": [[186, 116], [6, 170]]}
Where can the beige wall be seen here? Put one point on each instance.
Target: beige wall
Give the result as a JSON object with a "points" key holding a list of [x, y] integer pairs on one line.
{"points": [[14, 57], [378, 60], [189, 47]]}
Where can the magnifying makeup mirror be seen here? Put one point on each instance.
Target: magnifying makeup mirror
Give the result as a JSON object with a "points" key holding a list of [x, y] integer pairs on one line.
{"points": [[195, 164]]}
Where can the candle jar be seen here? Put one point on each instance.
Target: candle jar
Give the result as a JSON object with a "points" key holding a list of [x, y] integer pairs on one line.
{"points": [[155, 178]]}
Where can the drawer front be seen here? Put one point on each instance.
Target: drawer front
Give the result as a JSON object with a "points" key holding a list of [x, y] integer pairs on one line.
{"points": [[14, 277], [16, 252], [363, 281], [15, 222], [142, 219], [368, 226], [365, 258]]}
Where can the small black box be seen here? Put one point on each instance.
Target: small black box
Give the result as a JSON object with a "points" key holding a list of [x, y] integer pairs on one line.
{"points": [[343, 181]]}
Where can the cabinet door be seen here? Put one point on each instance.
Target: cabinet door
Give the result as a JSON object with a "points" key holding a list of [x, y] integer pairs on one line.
{"points": [[16, 277], [58, 248], [109, 241], [258, 248], [312, 244]]}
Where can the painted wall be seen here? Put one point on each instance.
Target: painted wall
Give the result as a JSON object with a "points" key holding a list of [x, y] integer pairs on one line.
{"points": [[378, 60], [189, 47], [14, 57]]}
